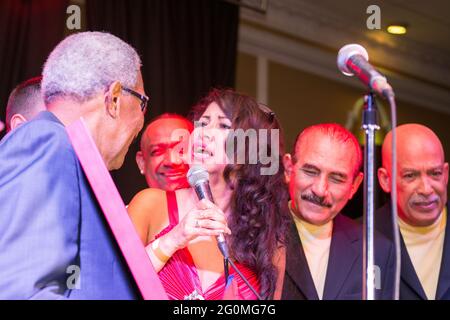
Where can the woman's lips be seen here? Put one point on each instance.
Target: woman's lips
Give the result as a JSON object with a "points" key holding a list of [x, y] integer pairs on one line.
{"points": [[201, 151]]}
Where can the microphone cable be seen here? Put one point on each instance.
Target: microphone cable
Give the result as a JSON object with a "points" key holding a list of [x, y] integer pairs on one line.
{"points": [[391, 99]]}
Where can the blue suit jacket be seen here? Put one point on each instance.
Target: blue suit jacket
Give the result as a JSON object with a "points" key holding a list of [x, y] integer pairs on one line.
{"points": [[52, 231]]}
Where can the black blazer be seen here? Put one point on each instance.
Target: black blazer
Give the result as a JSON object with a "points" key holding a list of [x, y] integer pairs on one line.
{"points": [[344, 272], [410, 286]]}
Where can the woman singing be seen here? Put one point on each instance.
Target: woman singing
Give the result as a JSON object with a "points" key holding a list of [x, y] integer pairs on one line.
{"points": [[179, 230]]}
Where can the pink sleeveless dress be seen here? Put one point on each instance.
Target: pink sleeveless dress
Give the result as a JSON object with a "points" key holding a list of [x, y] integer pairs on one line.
{"points": [[179, 275]]}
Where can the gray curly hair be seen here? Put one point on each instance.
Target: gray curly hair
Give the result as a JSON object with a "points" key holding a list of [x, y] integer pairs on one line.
{"points": [[86, 63]]}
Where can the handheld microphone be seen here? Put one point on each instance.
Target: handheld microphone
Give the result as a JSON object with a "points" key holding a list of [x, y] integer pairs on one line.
{"points": [[353, 60], [198, 179]]}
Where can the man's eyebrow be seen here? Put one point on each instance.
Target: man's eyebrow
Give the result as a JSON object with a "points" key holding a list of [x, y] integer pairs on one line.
{"points": [[165, 144], [408, 170], [440, 167], [310, 167], [155, 145]]}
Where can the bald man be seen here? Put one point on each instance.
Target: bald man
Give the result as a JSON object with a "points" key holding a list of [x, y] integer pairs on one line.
{"points": [[160, 159], [422, 177]]}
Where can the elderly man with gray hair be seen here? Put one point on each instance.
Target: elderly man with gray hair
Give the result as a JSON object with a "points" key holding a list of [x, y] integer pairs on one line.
{"points": [[54, 242]]}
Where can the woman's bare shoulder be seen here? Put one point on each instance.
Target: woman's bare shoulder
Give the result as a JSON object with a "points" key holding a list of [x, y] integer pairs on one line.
{"points": [[147, 199], [148, 210], [149, 193]]}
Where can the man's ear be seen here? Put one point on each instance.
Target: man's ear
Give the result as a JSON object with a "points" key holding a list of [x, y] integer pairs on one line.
{"points": [[384, 179], [446, 172], [112, 99], [288, 167], [16, 120], [140, 161], [356, 183]]}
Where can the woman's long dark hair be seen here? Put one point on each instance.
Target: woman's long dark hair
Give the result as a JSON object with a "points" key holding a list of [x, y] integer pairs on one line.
{"points": [[259, 202]]}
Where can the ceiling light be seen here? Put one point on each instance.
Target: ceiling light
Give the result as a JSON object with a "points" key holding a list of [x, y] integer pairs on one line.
{"points": [[396, 29]]}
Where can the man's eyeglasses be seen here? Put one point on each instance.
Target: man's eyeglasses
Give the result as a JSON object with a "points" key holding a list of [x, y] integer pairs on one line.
{"points": [[144, 99]]}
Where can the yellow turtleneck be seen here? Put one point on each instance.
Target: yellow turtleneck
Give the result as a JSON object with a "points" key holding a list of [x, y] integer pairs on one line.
{"points": [[425, 246], [316, 241]]}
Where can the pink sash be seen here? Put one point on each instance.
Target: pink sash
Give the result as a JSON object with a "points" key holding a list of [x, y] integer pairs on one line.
{"points": [[115, 213]]}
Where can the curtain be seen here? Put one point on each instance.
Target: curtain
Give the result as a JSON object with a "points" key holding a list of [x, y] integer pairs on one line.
{"points": [[29, 30]]}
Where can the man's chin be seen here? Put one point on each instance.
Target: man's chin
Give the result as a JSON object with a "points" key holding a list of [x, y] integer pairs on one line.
{"points": [[115, 164], [316, 218], [319, 221], [421, 219]]}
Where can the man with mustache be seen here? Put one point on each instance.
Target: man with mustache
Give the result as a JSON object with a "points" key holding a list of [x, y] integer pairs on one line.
{"points": [[160, 159], [324, 248], [422, 177]]}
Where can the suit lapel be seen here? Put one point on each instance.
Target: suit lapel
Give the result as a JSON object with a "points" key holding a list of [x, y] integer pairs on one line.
{"points": [[444, 274], [343, 254], [297, 265], [408, 273]]}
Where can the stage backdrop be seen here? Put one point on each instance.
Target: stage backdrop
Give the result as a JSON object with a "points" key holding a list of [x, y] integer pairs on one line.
{"points": [[186, 47], [28, 32]]}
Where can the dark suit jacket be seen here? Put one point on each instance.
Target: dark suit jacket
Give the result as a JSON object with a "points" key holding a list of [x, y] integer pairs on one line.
{"points": [[344, 273], [410, 286], [50, 223]]}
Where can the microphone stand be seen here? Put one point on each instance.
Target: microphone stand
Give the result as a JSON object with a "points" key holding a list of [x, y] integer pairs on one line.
{"points": [[243, 278], [370, 126], [205, 193], [226, 269], [226, 261]]}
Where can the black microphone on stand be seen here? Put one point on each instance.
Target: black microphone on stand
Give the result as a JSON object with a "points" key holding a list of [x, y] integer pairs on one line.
{"points": [[198, 179], [353, 60]]}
